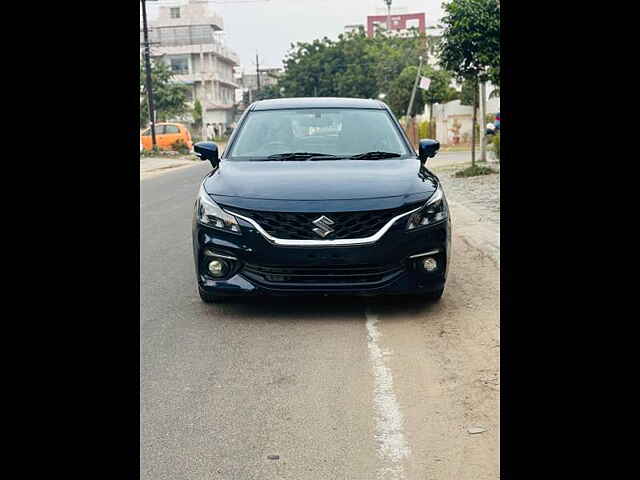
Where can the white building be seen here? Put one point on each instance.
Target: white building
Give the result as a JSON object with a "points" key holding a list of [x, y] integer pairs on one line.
{"points": [[186, 38], [453, 119]]}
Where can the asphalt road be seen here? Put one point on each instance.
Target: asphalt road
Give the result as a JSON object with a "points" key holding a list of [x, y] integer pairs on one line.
{"points": [[320, 388]]}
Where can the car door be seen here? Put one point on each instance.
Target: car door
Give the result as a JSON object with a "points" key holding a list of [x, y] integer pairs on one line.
{"points": [[145, 139], [161, 136], [171, 135], [147, 142], [186, 136]]}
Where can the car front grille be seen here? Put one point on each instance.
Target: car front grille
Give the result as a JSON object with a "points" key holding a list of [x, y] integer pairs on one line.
{"points": [[299, 226], [325, 276]]}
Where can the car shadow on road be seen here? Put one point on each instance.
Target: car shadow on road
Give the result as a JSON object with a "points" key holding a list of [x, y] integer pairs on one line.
{"points": [[323, 308]]}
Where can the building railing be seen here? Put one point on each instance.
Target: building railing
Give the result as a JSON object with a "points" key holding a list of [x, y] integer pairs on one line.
{"points": [[188, 36], [201, 76]]}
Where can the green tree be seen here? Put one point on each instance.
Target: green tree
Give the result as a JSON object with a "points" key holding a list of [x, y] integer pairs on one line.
{"points": [[170, 98], [267, 92], [399, 94], [197, 115], [470, 46], [326, 68], [392, 54], [353, 66], [467, 93]]}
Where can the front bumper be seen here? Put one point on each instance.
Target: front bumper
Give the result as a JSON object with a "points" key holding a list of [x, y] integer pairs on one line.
{"points": [[261, 268]]}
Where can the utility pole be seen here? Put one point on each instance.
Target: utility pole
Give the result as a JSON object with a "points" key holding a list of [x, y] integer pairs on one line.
{"points": [[147, 66], [483, 116], [258, 72], [413, 92]]}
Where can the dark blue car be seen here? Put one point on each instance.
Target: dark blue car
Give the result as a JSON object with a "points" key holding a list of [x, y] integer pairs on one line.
{"points": [[320, 196]]}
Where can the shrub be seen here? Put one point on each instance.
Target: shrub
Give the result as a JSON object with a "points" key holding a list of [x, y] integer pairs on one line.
{"points": [[424, 131], [180, 147], [474, 171]]}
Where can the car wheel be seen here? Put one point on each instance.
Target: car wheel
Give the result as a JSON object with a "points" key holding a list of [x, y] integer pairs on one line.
{"points": [[210, 297]]}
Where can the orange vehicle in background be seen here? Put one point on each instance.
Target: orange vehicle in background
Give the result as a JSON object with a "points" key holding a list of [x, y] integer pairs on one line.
{"points": [[166, 135]]}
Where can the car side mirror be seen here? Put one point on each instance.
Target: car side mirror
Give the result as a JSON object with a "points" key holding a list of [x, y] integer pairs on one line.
{"points": [[207, 151], [428, 148]]}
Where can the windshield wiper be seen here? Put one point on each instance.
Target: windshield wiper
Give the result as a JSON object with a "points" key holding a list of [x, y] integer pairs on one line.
{"points": [[374, 155], [298, 156]]}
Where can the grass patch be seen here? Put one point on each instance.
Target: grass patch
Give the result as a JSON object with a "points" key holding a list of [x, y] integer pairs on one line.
{"points": [[474, 171], [162, 153]]}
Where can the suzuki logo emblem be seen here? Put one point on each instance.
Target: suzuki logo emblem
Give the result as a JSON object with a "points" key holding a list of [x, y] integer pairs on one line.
{"points": [[323, 229]]}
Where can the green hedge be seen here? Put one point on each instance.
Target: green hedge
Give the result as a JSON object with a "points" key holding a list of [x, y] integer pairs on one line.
{"points": [[180, 146]]}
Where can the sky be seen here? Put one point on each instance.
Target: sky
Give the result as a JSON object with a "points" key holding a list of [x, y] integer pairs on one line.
{"points": [[268, 27]]}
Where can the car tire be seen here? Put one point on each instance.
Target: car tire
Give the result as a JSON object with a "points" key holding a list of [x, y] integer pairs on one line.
{"points": [[210, 297]]}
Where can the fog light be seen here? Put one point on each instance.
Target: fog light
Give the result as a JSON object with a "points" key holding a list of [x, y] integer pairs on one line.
{"points": [[429, 264], [217, 268]]}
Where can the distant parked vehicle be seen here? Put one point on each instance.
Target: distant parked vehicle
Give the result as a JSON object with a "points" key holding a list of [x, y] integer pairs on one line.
{"points": [[166, 135]]}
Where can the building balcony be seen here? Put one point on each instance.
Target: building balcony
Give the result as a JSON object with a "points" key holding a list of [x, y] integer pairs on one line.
{"points": [[223, 53], [190, 78]]}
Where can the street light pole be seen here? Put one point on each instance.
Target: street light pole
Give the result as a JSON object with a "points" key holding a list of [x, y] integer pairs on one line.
{"points": [[388, 2], [147, 65]]}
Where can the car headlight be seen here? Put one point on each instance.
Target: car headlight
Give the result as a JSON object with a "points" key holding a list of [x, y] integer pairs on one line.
{"points": [[433, 211], [211, 215]]}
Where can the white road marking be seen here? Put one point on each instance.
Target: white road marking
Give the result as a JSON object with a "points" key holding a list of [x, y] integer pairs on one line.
{"points": [[392, 445]]}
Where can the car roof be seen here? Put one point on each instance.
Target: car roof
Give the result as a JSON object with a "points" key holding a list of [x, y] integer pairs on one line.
{"points": [[165, 123], [317, 102]]}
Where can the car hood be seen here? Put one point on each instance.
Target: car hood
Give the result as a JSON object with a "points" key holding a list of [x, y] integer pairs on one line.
{"points": [[323, 185]]}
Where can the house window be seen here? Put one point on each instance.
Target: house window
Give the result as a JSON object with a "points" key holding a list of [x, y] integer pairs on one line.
{"points": [[179, 64], [175, 12], [413, 23]]}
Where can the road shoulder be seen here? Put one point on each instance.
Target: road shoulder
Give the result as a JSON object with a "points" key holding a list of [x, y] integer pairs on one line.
{"points": [[154, 166]]}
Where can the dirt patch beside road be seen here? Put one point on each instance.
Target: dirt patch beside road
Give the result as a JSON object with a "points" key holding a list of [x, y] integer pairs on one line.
{"points": [[445, 356], [481, 194]]}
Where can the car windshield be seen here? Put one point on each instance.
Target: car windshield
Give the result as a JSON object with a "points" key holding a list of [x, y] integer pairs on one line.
{"points": [[305, 133]]}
